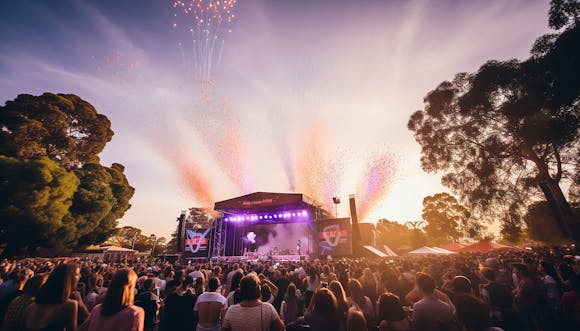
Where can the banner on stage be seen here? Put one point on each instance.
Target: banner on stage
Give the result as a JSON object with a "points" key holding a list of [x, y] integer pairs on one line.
{"points": [[334, 237], [196, 242]]}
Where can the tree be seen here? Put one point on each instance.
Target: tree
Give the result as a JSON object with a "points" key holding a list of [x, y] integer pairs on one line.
{"points": [[101, 199], [397, 236], [511, 127], [541, 224], [63, 127], [447, 219], [171, 246], [36, 196], [60, 134]]}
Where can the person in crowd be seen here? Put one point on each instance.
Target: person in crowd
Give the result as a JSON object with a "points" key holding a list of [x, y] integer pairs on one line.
{"points": [[341, 302], [552, 286], [362, 301], [498, 297], [355, 321], [198, 285], [322, 313], [571, 305], [311, 283], [235, 268], [251, 313], [94, 294], [234, 286], [178, 308], [430, 313], [289, 308], [53, 309], [150, 302], [527, 298], [391, 315], [15, 289], [118, 312], [369, 284], [461, 286], [281, 283], [473, 314], [13, 316], [209, 307], [414, 295]]}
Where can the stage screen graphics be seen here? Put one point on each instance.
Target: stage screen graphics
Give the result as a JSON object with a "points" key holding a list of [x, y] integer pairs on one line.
{"points": [[277, 239], [334, 237], [196, 242]]}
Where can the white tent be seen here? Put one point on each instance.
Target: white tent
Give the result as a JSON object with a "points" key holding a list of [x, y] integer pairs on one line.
{"points": [[429, 250], [389, 251], [443, 250]]}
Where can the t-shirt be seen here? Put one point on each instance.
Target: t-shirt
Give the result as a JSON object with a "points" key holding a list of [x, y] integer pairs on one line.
{"points": [[431, 314], [257, 318], [129, 319], [210, 297]]}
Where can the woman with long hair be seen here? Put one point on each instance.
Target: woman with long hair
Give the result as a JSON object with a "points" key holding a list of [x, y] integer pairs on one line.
{"points": [[117, 312], [322, 311], [235, 285], [369, 284], [53, 309], [390, 313], [341, 304], [362, 301], [289, 308]]}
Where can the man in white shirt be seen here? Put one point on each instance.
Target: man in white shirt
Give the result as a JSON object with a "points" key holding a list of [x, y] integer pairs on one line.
{"points": [[430, 313], [209, 307]]}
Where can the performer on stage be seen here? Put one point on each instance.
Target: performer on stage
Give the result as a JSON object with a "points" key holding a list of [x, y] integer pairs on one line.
{"points": [[298, 245]]}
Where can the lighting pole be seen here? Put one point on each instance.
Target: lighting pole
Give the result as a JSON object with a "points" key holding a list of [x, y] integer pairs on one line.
{"points": [[336, 201]]}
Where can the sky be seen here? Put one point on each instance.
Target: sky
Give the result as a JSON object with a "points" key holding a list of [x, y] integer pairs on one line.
{"points": [[280, 96]]}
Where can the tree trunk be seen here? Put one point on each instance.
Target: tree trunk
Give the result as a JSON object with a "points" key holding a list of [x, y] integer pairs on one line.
{"points": [[560, 207]]}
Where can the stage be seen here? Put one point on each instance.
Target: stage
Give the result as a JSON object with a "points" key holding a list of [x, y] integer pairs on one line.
{"points": [[266, 226]]}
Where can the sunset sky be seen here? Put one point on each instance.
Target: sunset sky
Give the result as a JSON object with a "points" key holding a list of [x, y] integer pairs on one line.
{"points": [[306, 96]]}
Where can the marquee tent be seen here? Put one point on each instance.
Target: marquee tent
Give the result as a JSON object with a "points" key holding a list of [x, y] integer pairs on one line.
{"points": [[454, 247], [483, 246], [430, 251]]}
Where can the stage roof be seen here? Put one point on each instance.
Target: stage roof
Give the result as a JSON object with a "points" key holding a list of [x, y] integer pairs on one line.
{"points": [[265, 200]]}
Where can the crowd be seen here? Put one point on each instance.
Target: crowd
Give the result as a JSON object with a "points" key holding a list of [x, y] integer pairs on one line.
{"points": [[525, 290]]}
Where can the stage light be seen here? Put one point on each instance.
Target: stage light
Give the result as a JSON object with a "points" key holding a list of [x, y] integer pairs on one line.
{"points": [[304, 213], [261, 217], [293, 214]]}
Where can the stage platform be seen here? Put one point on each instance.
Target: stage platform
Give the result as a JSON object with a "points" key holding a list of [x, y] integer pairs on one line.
{"points": [[275, 258]]}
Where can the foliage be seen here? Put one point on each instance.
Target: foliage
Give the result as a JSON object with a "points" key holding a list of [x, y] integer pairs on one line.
{"points": [[447, 218], [563, 13], [398, 236], [63, 127], [500, 133], [102, 198], [541, 224], [58, 135], [171, 246], [36, 196], [133, 238]]}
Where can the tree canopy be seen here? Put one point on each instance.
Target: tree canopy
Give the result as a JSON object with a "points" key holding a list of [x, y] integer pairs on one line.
{"points": [[447, 219], [512, 127], [56, 194]]}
